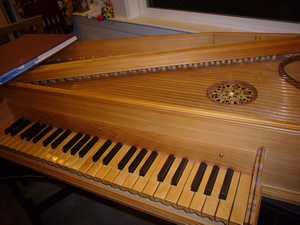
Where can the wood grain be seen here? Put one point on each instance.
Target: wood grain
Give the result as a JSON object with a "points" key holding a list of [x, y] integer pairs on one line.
{"points": [[115, 47], [156, 59], [136, 105]]}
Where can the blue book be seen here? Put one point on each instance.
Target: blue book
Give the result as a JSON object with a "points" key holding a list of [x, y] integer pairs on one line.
{"points": [[28, 51]]}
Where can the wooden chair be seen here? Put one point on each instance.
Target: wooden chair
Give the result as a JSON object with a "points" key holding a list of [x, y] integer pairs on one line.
{"points": [[15, 30], [54, 22]]}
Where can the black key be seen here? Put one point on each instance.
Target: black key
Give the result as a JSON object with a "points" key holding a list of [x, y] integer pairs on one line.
{"points": [[148, 163], [60, 139], [165, 169], [176, 177], [42, 134], [101, 150], [137, 160], [79, 144], [211, 181], [112, 153], [198, 177], [29, 130], [88, 147], [36, 131], [72, 142], [226, 184], [13, 126], [127, 157], [20, 127], [52, 137]]}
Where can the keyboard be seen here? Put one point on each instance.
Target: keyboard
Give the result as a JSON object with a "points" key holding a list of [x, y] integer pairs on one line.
{"points": [[221, 194]]}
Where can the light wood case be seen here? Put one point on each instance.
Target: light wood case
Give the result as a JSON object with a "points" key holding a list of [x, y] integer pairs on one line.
{"points": [[166, 94]]}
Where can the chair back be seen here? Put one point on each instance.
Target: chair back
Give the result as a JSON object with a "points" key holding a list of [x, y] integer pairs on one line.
{"points": [[17, 29], [54, 22]]}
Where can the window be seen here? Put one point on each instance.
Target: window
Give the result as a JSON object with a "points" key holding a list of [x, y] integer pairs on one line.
{"points": [[280, 10], [129, 9]]}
